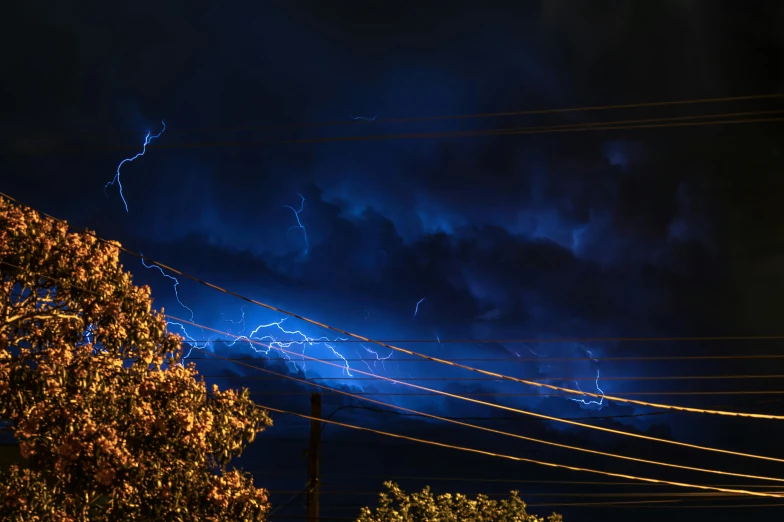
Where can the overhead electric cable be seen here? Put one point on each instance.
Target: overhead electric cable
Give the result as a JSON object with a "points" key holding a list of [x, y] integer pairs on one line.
{"points": [[523, 459], [490, 379], [492, 405], [556, 340], [503, 407], [417, 354], [502, 394], [508, 434], [551, 359], [415, 119], [511, 131]]}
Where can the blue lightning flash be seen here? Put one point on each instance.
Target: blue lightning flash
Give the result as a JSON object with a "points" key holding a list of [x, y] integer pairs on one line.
{"points": [[583, 401], [378, 358], [116, 179], [600, 402], [186, 335], [364, 361], [532, 351], [241, 321], [299, 223], [176, 283], [364, 118], [416, 308], [304, 342]]}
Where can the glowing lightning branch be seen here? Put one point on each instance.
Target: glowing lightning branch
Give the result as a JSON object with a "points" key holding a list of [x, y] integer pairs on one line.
{"points": [[366, 363], [600, 402], [364, 118], [378, 358], [347, 368], [583, 401], [416, 309], [147, 139], [274, 343], [241, 321], [188, 337], [299, 223], [167, 276]]}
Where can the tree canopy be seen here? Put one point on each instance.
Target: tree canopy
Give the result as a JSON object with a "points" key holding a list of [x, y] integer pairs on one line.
{"points": [[395, 505], [112, 425]]}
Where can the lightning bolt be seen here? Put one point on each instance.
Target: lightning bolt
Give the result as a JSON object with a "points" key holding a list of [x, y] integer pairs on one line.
{"points": [[193, 342], [600, 402], [378, 358], [364, 118], [583, 401], [364, 361], [304, 342], [531, 350], [416, 309], [241, 321], [299, 223], [147, 139], [188, 337], [167, 276]]}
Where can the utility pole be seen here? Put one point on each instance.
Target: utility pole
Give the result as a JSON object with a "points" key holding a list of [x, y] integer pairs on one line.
{"points": [[313, 458]]}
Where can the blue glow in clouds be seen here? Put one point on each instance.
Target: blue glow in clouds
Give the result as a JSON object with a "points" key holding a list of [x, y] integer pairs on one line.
{"points": [[299, 223], [147, 139]]}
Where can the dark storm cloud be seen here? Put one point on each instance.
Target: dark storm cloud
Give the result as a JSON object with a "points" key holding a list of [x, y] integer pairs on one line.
{"points": [[654, 232]]}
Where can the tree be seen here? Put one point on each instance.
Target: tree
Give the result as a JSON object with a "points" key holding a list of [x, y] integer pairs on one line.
{"points": [[112, 425], [397, 506]]}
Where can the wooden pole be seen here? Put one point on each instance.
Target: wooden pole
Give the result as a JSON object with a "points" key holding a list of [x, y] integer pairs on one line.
{"points": [[313, 458]]}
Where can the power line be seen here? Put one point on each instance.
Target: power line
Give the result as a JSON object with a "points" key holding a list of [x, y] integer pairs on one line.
{"points": [[501, 418], [524, 412], [417, 354], [620, 504], [589, 127], [490, 480], [523, 459], [490, 379], [537, 415], [501, 394], [722, 506], [483, 428], [564, 340], [528, 112], [706, 495], [540, 415], [532, 359], [457, 365], [476, 401]]}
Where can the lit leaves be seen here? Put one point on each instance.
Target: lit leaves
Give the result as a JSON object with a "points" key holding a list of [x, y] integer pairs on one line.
{"points": [[397, 506], [112, 426]]}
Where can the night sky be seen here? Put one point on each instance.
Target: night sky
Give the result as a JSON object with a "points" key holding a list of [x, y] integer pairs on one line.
{"points": [[654, 232]]}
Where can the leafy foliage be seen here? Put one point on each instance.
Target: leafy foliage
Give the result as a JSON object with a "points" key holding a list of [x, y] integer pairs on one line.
{"points": [[113, 427], [397, 506]]}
